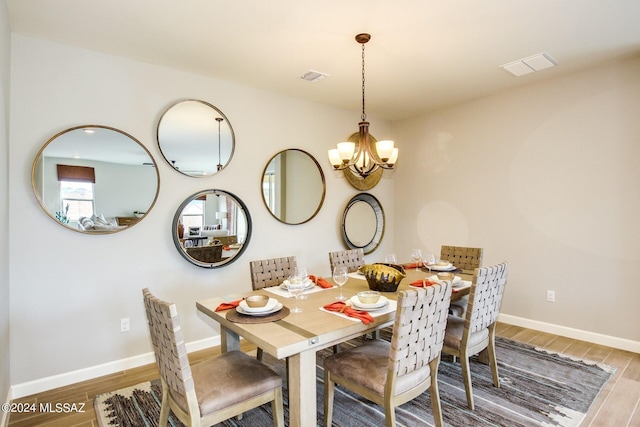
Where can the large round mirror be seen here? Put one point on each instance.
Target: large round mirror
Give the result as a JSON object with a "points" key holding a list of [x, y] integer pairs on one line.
{"points": [[95, 179], [211, 228], [363, 223], [293, 186], [196, 138]]}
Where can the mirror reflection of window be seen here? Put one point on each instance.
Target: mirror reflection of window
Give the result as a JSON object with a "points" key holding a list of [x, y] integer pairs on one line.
{"points": [[76, 200]]}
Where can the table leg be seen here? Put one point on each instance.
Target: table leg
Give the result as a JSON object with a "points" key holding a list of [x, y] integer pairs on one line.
{"points": [[302, 389], [229, 340]]}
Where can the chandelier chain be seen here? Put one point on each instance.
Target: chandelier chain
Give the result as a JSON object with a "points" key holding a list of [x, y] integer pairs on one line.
{"points": [[364, 115]]}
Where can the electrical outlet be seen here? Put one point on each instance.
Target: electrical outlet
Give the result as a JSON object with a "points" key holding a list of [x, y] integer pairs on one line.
{"points": [[124, 325], [551, 296]]}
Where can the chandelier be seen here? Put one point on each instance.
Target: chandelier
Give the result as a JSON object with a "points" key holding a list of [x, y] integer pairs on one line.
{"points": [[363, 159]]}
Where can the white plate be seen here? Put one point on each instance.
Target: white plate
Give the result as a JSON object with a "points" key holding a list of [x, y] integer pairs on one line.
{"points": [[357, 304], [382, 307], [270, 305], [450, 267], [308, 284], [277, 307]]}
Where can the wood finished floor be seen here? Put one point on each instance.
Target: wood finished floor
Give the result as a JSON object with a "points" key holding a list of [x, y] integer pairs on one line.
{"points": [[617, 405]]}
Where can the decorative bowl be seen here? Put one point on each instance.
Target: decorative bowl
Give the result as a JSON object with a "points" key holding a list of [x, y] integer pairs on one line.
{"points": [[368, 297], [383, 277], [445, 276], [442, 263], [255, 301]]}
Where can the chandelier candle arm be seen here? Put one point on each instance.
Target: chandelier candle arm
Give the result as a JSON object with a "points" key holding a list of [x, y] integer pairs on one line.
{"points": [[366, 159]]}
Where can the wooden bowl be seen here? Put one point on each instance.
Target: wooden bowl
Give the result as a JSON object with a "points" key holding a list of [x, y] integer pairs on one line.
{"points": [[383, 277], [256, 301]]}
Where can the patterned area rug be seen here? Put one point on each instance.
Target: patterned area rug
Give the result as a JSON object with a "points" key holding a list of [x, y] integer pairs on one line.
{"points": [[537, 389]]}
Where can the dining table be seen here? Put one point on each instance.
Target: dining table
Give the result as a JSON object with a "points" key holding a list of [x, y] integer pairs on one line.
{"points": [[297, 337]]}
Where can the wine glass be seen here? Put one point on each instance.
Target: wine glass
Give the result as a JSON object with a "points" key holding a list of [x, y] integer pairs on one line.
{"points": [[429, 260], [295, 288], [416, 256], [340, 276], [303, 275], [390, 259]]}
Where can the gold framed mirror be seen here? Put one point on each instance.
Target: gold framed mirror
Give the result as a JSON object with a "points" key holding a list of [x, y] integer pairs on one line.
{"points": [[211, 228], [195, 138], [95, 179], [293, 186]]}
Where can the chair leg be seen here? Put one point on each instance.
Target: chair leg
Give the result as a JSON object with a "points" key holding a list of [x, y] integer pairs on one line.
{"points": [[259, 353], [164, 408], [491, 350], [328, 398], [434, 393], [276, 409], [466, 376], [390, 415]]}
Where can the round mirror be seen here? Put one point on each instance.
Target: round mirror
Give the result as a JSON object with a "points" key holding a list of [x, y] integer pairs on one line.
{"points": [[95, 179], [195, 138], [363, 223], [293, 186], [211, 228]]}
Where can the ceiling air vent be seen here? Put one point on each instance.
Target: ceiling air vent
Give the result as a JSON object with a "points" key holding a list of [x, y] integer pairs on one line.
{"points": [[530, 64], [313, 76]]}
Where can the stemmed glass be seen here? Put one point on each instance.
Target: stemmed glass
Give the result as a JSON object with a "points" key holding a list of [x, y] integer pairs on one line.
{"points": [[295, 288], [301, 273], [429, 260], [340, 276], [390, 259], [416, 256]]}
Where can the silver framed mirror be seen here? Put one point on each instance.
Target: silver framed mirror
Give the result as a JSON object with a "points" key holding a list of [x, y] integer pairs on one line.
{"points": [[293, 186], [195, 138], [95, 179], [363, 223], [211, 228]]}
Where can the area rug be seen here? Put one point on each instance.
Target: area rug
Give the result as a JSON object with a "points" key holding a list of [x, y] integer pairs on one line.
{"points": [[537, 388]]}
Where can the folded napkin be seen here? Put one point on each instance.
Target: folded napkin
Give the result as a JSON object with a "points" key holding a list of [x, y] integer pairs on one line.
{"points": [[341, 307], [320, 282], [413, 265], [426, 282], [228, 305]]}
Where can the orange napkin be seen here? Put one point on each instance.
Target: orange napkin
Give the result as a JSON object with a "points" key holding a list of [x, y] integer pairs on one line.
{"points": [[228, 305], [341, 307], [226, 247], [426, 282], [414, 265], [320, 282]]}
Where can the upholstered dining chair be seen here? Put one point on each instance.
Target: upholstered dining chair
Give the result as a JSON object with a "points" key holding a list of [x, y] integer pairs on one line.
{"points": [[352, 259], [212, 390], [271, 272], [475, 332], [465, 259], [391, 374]]}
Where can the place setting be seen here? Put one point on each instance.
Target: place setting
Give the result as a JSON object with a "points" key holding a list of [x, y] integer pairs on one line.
{"points": [[311, 284], [254, 309], [363, 306]]}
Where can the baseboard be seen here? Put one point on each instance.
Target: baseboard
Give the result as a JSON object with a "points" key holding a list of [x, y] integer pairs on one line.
{"points": [[592, 337], [4, 417], [43, 384]]}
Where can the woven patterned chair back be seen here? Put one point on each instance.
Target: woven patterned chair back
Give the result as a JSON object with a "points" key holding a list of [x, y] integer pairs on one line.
{"points": [[271, 272], [168, 345], [461, 257], [485, 297], [418, 330], [352, 259]]}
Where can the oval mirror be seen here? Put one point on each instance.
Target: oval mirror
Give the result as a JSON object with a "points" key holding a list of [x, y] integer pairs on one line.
{"points": [[211, 228], [293, 186], [95, 179], [363, 223], [195, 138]]}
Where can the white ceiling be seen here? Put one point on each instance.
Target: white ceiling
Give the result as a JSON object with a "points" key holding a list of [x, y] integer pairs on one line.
{"points": [[423, 55]]}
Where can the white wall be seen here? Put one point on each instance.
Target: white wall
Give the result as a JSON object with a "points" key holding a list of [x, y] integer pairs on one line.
{"points": [[545, 177], [69, 290], [5, 56]]}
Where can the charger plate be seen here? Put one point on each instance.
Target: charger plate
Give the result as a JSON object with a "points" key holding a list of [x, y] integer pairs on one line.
{"points": [[235, 317]]}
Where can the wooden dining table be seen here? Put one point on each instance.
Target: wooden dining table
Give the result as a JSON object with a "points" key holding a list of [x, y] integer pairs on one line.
{"points": [[298, 336]]}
